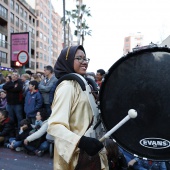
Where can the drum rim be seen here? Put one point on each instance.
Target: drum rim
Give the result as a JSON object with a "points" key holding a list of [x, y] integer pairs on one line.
{"points": [[111, 69]]}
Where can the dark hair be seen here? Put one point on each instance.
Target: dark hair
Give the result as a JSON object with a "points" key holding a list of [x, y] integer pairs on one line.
{"points": [[43, 113], [25, 122], [112, 149], [4, 113], [34, 83], [29, 72], [101, 71], [10, 78], [49, 68]]}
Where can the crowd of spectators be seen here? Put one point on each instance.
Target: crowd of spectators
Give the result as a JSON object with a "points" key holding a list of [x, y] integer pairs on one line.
{"points": [[24, 110], [25, 105]]}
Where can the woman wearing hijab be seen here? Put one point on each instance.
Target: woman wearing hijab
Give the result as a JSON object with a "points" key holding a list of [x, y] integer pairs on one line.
{"points": [[72, 115]]}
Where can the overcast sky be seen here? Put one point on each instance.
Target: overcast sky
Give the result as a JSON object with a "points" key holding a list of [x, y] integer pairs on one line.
{"points": [[113, 20]]}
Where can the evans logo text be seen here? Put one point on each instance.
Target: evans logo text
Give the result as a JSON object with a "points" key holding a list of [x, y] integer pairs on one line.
{"points": [[155, 143]]}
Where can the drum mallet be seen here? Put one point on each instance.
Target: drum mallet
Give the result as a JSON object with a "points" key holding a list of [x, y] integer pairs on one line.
{"points": [[131, 114]]}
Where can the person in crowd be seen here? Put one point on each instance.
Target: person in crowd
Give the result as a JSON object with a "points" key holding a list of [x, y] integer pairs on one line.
{"points": [[140, 164], [91, 75], [2, 81], [3, 100], [25, 79], [8, 79], [72, 115], [16, 143], [14, 98], [35, 77], [36, 143], [29, 72], [39, 75], [33, 101], [116, 159], [45, 87], [6, 127], [51, 93], [99, 76], [40, 116]]}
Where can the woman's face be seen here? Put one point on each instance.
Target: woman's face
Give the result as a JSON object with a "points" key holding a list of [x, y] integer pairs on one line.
{"points": [[7, 79], [3, 95], [80, 67], [38, 116]]}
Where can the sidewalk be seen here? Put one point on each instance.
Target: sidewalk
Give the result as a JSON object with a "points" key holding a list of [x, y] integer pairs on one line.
{"points": [[12, 160]]}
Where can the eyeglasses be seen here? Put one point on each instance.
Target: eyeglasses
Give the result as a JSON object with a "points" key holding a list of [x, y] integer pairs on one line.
{"points": [[81, 60]]}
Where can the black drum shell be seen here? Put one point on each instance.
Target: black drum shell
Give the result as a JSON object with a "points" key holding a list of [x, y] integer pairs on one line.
{"points": [[140, 81]]}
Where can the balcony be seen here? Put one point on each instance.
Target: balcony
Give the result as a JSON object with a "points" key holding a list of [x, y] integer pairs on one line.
{"points": [[3, 16]]}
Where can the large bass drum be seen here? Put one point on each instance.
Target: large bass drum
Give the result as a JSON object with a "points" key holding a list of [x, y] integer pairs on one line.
{"points": [[140, 81]]}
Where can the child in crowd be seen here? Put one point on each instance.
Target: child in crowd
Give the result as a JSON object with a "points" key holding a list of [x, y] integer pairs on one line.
{"points": [[116, 159], [33, 101], [16, 143]]}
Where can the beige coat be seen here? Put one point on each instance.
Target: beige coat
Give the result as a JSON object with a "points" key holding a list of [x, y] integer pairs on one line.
{"points": [[70, 118]]}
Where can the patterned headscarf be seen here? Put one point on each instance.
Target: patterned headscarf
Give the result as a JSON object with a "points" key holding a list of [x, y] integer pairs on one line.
{"points": [[65, 61]]}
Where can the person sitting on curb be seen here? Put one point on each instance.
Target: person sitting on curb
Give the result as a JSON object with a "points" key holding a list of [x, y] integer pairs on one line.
{"points": [[36, 143], [17, 142], [6, 127]]}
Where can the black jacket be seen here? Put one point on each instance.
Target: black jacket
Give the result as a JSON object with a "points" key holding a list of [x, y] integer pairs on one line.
{"points": [[7, 128], [24, 134], [14, 92]]}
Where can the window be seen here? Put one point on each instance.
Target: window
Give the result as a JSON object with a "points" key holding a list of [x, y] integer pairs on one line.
{"points": [[37, 65], [45, 58], [45, 19], [12, 4], [25, 27], [21, 12], [17, 8], [41, 56], [37, 44], [25, 15], [45, 38], [12, 18], [41, 35], [41, 15], [11, 30], [45, 47], [41, 25], [3, 12], [41, 45], [3, 57], [37, 33], [17, 21], [41, 66], [32, 65], [3, 42], [21, 25], [37, 23]]}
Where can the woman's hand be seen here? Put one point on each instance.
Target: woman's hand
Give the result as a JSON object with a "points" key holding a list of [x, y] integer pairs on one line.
{"points": [[26, 142]]}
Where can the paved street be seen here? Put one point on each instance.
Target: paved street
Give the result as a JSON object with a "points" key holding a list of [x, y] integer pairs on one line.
{"points": [[12, 160]]}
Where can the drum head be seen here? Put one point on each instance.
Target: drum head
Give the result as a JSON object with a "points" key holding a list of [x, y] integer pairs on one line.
{"points": [[140, 81]]}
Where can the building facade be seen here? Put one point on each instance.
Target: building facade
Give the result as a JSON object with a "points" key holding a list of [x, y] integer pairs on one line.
{"points": [[49, 34], [131, 42], [43, 25]]}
